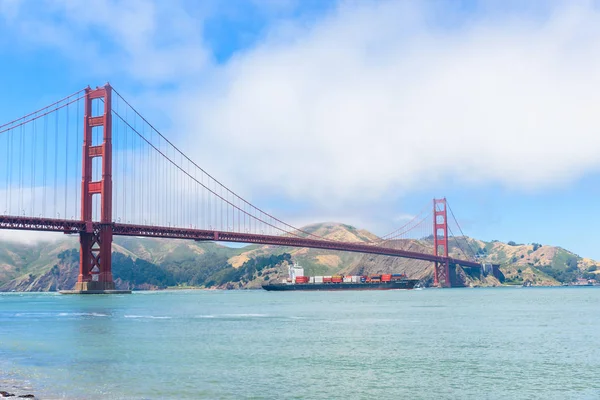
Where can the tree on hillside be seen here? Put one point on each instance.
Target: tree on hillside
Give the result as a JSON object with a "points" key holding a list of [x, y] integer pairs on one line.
{"points": [[140, 271]]}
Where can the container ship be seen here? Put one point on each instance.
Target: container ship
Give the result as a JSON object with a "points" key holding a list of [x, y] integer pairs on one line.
{"points": [[297, 281]]}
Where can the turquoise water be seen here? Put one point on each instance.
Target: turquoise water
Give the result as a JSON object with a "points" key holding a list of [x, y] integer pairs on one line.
{"points": [[505, 343]]}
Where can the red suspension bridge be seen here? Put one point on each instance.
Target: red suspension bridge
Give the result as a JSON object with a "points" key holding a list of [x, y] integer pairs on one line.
{"points": [[91, 165]]}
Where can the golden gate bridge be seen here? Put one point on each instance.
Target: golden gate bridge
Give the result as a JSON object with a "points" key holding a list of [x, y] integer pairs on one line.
{"points": [[91, 165]]}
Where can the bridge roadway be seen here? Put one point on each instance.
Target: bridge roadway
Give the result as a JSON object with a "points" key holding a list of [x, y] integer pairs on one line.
{"points": [[76, 226]]}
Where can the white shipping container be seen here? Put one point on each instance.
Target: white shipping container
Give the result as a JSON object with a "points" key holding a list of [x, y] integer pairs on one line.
{"points": [[356, 279], [318, 279], [348, 279], [311, 279]]}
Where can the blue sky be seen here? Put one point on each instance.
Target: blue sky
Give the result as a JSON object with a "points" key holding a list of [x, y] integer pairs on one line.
{"points": [[359, 112]]}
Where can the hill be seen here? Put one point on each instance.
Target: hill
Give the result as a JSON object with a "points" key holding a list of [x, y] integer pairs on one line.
{"points": [[143, 263], [536, 263], [137, 263]]}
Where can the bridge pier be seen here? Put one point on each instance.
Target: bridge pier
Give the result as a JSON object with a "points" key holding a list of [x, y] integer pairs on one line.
{"points": [[441, 274]]}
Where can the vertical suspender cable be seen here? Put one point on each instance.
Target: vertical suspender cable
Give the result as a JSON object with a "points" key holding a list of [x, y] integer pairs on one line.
{"points": [[7, 158], [55, 161], [78, 145], [21, 162], [45, 166], [142, 171], [174, 193], [163, 184], [164, 189], [131, 171], [180, 192], [126, 163], [124, 176], [149, 174], [189, 218], [136, 173], [215, 213], [177, 195], [170, 189], [195, 202], [208, 210], [169, 175], [9, 168], [66, 162], [227, 209], [167, 187], [34, 156], [151, 182], [116, 162]]}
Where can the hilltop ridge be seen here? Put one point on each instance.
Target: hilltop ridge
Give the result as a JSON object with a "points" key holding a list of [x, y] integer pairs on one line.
{"points": [[149, 263]]}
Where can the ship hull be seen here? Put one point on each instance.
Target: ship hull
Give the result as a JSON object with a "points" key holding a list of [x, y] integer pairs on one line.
{"points": [[395, 285]]}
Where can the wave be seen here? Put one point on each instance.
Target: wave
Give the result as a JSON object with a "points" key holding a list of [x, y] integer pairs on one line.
{"points": [[246, 315], [81, 314], [62, 314], [147, 316], [34, 314]]}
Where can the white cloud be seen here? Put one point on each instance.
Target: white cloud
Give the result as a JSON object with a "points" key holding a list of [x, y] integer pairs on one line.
{"points": [[372, 99], [155, 42]]}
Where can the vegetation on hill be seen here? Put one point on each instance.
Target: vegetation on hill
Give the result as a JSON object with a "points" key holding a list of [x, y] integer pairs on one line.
{"points": [[140, 263], [255, 270], [536, 263], [137, 273]]}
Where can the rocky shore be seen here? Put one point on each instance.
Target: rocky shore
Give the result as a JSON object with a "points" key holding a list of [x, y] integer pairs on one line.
{"points": [[4, 393], [12, 389]]}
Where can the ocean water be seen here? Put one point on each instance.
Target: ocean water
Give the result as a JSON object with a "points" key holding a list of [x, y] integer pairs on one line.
{"points": [[496, 343]]}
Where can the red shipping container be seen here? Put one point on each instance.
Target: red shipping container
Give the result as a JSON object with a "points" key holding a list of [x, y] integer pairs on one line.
{"points": [[326, 280], [336, 279], [386, 278]]}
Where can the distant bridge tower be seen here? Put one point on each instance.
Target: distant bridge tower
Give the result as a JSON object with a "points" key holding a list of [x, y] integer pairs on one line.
{"points": [[441, 276], [95, 272]]}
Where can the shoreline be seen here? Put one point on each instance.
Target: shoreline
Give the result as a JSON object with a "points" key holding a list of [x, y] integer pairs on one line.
{"points": [[14, 388]]}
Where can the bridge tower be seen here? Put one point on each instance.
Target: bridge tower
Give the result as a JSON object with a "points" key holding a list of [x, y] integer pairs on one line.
{"points": [[95, 272], [441, 276]]}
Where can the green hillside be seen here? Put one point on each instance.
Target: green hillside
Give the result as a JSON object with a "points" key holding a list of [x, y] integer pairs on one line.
{"points": [[537, 263], [144, 263]]}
